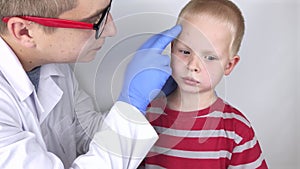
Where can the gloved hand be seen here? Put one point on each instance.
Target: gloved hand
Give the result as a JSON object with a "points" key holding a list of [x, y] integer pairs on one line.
{"points": [[148, 70], [169, 86]]}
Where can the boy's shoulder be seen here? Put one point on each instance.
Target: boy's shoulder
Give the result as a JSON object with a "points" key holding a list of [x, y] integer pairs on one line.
{"points": [[229, 108], [223, 109]]}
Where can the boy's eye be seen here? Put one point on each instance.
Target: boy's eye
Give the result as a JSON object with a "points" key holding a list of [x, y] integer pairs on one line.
{"points": [[210, 57], [185, 52]]}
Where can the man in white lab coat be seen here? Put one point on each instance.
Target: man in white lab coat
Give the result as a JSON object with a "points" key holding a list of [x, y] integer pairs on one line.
{"points": [[46, 120]]}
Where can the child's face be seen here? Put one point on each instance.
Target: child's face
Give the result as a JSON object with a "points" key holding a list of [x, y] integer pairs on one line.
{"points": [[201, 55]]}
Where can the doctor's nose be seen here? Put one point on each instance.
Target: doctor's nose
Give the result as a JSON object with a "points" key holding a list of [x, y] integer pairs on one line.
{"points": [[109, 28]]}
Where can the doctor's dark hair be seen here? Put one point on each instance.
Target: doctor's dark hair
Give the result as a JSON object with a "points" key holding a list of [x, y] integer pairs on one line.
{"points": [[222, 11], [41, 8]]}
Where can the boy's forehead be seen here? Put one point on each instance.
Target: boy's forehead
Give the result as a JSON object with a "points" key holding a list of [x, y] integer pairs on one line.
{"points": [[84, 9], [205, 34], [193, 37]]}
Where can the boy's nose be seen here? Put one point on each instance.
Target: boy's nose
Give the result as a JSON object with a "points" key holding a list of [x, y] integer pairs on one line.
{"points": [[194, 64]]}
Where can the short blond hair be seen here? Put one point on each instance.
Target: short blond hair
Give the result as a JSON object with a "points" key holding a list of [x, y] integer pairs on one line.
{"points": [[224, 11], [41, 8]]}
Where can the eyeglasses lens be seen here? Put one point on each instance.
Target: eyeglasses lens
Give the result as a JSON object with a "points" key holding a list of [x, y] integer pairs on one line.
{"points": [[101, 24]]}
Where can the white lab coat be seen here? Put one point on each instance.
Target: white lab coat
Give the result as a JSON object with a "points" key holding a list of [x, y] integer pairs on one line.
{"points": [[58, 128]]}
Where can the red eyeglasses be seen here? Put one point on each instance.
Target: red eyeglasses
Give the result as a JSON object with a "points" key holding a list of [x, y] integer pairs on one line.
{"points": [[63, 23]]}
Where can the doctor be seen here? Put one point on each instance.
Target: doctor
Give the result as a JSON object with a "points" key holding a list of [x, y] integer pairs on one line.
{"points": [[46, 120]]}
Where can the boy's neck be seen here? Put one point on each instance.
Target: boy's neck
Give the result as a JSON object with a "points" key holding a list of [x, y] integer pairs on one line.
{"points": [[191, 102]]}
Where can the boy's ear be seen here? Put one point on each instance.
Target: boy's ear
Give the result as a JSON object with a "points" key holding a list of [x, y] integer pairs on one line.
{"points": [[19, 30], [231, 64]]}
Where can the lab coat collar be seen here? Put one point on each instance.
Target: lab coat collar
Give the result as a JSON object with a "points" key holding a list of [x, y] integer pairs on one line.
{"points": [[13, 71], [49, 93], [50, 70]]}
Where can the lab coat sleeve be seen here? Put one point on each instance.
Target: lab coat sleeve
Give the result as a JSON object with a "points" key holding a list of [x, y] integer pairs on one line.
{"points": [[123, 141]]}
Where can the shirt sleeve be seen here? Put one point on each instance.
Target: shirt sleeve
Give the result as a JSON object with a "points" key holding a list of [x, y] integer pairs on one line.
{"points": [[122, 142], [247, 153]]}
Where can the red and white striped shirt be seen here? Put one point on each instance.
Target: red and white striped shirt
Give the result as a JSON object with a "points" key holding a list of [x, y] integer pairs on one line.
{"points": [[218, 137]]}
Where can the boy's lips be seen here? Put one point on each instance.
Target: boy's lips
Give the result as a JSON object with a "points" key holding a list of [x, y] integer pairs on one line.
{"points": [[190, 81]]}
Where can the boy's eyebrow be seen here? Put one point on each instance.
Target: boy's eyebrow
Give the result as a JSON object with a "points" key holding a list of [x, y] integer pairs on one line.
{"points": [[180, 42], [208, 52]]}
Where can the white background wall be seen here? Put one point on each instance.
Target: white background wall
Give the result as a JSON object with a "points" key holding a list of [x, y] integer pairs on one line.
{"points": [[264, 85]]}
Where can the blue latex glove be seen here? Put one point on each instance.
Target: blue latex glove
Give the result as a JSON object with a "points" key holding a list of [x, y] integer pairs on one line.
{"points": [[148, 70], [169, 86]]}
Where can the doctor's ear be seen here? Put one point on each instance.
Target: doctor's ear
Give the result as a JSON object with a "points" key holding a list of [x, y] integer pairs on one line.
{"points": [[231, 64], [19, 30]]}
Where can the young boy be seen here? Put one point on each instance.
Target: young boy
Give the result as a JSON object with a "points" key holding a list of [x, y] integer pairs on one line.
{"points": [[196, 128]]}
